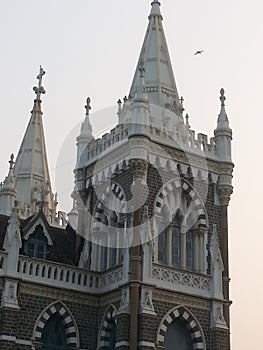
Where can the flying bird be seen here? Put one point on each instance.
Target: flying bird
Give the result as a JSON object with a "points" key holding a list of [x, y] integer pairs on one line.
{"points": [[199, 52]]}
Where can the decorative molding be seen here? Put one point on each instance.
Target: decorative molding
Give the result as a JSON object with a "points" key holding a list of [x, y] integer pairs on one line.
{"points": [[125, 301], [68, 322], [181, 281], [179, 299], [217, 316], [147, 306], [105, 330], [51, 292], [193, 326], [9, 296]]}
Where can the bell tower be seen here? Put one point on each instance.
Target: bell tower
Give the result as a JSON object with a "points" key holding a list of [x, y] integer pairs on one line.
{"points": [[152, 198]]}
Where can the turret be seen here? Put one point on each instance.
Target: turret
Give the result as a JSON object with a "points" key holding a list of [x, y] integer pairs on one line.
{"points": [[7, 190], [29, 179], [223, 133], [86, 135], [140, 107]]}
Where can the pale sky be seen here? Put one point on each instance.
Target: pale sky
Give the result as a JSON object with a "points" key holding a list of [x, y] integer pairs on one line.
{"points": [[90, 48]]}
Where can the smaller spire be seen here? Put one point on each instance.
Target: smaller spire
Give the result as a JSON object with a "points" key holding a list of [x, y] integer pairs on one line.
{"points": [[141, 94], [155, 12], [39, 89], [9, 181], [222, 121], [86, 133], [11, 161], [119, 107]]}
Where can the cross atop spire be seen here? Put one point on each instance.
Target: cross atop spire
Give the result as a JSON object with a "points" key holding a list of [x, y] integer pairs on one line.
{"points": [[39, 89], [222, 97], [88, 106]]}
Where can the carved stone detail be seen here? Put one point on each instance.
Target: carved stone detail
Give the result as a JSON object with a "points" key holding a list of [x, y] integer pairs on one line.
{"points": [[9, 296], [147, 306], [217, 316], [139, 167], [224, 193], [124, 304]]}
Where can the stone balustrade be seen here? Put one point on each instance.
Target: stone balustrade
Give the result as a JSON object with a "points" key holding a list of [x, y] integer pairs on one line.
{"points": [[181, 281], [65, 276]]}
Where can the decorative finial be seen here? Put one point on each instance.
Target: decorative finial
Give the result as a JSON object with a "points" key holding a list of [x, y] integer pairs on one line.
{"points": [[119, 106], [88, 107], [142, 69], [187, 121], [155, 9], [222, 97], [39, 89], [125, 99], [11, 161], [182, 104]]}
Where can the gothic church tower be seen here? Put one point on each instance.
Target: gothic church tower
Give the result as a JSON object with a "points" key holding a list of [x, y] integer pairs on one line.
{"points": [[152, 200], [142, 261]]}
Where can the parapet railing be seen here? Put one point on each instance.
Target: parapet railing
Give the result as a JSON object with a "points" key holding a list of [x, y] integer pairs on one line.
{"points": [[181, 281], [64, 276], [187, 140]]}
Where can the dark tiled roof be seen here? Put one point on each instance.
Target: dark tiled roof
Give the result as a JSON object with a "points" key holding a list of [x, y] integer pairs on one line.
{"points": [[64, 246], [64, 239]]}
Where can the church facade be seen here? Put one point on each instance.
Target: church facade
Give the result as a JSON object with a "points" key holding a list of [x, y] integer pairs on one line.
{"points": [[141, 261]]}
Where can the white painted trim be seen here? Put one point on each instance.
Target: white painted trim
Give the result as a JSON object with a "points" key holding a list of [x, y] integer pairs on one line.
{"points": [[122, 343], [146, 343], [15, 340]]}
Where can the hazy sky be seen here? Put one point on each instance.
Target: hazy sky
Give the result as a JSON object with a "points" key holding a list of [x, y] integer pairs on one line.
{"points": [[90, 48]]}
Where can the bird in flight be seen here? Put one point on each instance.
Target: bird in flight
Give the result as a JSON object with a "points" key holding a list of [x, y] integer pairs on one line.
{"points": [[198, 52]]}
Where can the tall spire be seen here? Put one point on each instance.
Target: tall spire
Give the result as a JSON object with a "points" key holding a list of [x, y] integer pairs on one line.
{"points": [[159, 77], [31, 173]]}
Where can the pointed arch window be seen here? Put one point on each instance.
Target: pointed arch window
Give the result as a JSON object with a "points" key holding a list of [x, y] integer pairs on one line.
{"points": [[176, 240], [54, 334], [190, 242], [178, 337], [36, 245]]}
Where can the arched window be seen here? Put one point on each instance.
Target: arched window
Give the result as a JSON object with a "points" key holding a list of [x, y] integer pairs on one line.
{"points": [[36, 245], [190, 238], [54, 334], [176, 240], [112, 334], [176, 243], [177, 336]]}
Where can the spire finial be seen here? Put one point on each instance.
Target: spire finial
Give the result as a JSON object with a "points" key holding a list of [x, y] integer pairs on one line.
{"points": [[222, 97], [156, 9], [11, 161], [39, 89], [142, 69], [88, 106], [182, 104]]}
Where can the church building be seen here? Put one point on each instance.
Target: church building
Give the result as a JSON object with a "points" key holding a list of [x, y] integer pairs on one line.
{"points": [[141, 261]]}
